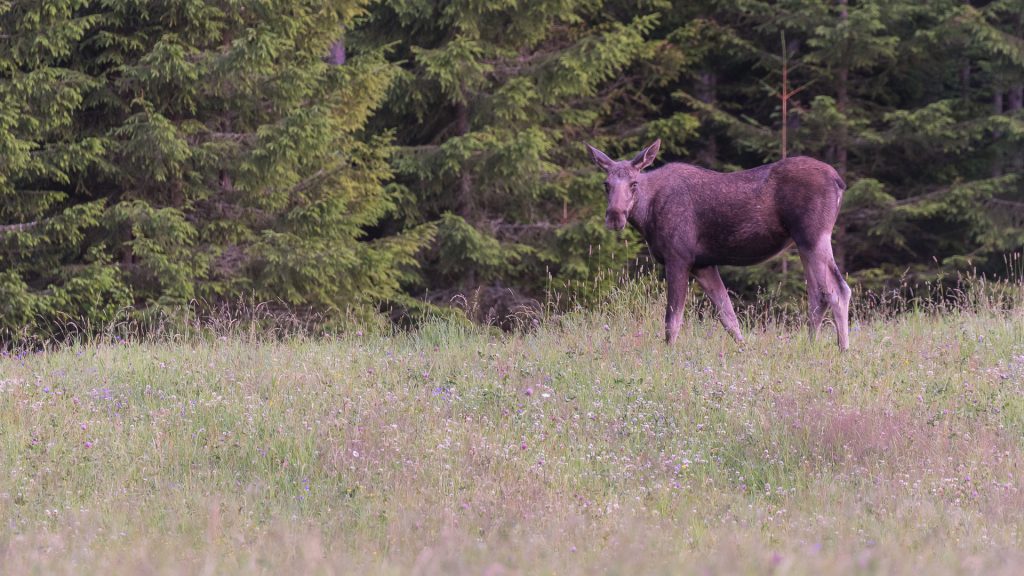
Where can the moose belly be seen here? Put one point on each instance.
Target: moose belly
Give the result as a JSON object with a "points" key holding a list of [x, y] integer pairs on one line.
{"points": [[741, 247]]}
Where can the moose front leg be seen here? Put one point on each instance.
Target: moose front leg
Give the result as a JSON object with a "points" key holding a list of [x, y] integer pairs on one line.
{"points": [[678, 280], [711, 281]]}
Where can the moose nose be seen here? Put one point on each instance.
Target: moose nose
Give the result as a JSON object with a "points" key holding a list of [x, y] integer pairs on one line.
{"points": [[614, 220]]}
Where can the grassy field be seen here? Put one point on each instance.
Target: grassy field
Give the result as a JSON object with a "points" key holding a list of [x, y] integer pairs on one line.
{"points": [[585, 447]]}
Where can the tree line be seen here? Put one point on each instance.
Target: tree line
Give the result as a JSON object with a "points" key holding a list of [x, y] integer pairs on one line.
{"points": [[350, 154]]}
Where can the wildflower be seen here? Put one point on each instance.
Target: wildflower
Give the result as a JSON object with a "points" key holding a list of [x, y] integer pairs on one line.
{"points": [[88, 444]]}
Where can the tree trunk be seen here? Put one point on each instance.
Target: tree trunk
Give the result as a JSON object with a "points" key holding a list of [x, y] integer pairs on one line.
{"points": [[177, 195], [464, 201], [792, 120], [707, 87], [337, 55], [965, 80], [842, 105], [1017, 100], [997, 109], [842, 97], [785, 109], [1016, 104], [465, 197]]}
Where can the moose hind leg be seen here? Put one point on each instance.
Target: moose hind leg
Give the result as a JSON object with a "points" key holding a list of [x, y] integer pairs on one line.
{"points": [[840, 305], [711, 281], [826, 289], [817, 297]]}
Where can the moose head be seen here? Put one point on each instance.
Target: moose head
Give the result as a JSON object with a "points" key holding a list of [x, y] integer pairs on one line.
{"points": [[623, 182]]}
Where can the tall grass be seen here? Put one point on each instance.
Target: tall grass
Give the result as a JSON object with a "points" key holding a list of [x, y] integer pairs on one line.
{"points": [[216, 445]]}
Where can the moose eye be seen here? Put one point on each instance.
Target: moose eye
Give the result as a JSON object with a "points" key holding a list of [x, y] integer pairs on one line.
{"points": [[633, 187], [607, 188]]}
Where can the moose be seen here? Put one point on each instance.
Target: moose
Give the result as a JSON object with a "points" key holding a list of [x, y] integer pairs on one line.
{"points": [[695, 220]]}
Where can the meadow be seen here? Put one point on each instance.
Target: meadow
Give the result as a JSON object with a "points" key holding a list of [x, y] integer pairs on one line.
{"points": [[585, 446]]}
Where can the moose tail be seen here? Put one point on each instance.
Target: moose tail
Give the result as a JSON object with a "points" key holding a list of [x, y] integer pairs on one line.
{"points": [[840, 186]]}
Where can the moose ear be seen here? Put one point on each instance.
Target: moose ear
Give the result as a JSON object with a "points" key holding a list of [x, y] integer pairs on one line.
{"points": [[600, 158], [646, 156]]}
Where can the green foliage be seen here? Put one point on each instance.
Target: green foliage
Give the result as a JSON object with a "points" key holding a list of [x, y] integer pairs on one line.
{"points": [[490, 119], [156, 153], [914, 104]]}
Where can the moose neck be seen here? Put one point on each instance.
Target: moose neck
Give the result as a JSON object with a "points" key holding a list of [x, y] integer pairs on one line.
{"points": [[639, 214]]}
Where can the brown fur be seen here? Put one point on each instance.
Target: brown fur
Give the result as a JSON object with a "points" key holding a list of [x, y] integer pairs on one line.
{"points": [[695, 220]]}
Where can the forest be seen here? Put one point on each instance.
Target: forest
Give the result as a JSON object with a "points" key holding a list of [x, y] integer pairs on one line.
{"points": [[349, 155]]}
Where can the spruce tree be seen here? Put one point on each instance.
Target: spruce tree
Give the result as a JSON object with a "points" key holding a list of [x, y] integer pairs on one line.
{"points": [[307, 152], [180, 150], [898, 97], [53, 262], [491, 112], [935, 198]]}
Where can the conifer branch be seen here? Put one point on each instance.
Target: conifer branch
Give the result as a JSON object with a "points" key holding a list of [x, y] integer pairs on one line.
{"points": [[11, 228]]}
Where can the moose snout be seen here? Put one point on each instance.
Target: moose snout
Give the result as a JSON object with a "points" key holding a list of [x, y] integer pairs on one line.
{"points": [[615, 220]]}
